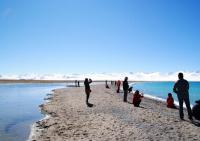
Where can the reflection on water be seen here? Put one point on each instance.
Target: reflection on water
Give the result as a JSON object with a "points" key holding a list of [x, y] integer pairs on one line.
{"points": [[19, 108]]}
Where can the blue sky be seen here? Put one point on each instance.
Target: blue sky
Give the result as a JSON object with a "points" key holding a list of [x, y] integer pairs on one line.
{"points": [[83, 36]]}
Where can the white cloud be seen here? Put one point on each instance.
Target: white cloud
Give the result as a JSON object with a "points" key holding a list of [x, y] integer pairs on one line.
{"points": [[139, 76]]}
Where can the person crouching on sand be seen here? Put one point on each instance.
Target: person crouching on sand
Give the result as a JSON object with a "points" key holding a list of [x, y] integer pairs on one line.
{"points": [[88, 90], [196, 110], [170, 101], [137, 98]]}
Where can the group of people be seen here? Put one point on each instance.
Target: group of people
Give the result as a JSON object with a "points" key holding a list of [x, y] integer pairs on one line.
{"points": [[181, 88], [137, 97], [77, 83]]}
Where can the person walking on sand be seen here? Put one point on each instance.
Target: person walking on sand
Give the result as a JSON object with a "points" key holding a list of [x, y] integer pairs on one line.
{"points": [[125, 88], [87, 91], [181, 88]]}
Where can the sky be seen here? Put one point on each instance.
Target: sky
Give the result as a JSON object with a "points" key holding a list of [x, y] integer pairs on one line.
{"points": [[83, 36]]}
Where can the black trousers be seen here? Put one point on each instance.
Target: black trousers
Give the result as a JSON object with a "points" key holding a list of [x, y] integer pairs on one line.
{"points": [[184, 98], [87, 92], [137, 104], [125, 95], [118, 89]]}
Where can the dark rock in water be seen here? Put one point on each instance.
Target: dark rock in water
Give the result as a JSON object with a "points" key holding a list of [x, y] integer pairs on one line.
{"points": [[49, 94], [48, 98], [41, 106], [8, 127]]}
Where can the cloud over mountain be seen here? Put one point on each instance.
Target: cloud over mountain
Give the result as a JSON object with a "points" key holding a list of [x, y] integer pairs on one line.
{"points": [[139, 76]]}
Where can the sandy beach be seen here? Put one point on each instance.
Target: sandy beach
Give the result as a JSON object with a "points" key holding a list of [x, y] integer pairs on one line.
{"points": [[110, 119]]}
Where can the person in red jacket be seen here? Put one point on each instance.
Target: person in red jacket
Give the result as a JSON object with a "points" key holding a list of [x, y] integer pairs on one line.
{"points": [[170, 101], [137, 98], [118, 83]]}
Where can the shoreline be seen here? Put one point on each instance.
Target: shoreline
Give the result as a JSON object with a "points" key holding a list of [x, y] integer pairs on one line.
{"points": [[34, 135], [34, 129]]}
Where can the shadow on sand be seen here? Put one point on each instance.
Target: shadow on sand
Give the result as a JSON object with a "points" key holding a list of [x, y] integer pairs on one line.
{"points": [[196, 123], [137, 107]]}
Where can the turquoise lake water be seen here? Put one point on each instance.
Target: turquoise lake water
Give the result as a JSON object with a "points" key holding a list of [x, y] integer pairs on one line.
{"points": [[161, 89], [19, 108]]}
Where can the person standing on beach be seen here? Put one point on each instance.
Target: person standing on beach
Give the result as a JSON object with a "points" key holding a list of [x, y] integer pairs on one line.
{"points": [[87, 90], [107, 85], [125, 88], [118, 83], [75, 83], [181, 88]]}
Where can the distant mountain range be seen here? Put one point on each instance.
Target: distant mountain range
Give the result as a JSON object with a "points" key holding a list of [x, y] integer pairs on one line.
{"points": [[139, 76]]}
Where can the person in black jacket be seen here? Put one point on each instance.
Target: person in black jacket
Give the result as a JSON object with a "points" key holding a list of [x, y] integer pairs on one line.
{"points": [[125, 88], [107, 85], [87, 91], [181, 88], [196, 110]]}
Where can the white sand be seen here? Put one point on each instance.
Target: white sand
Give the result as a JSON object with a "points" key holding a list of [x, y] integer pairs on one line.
{"points": [[110, 119]]}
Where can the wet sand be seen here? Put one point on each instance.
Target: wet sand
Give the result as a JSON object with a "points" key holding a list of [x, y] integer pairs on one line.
{"points": [[110, 119]]}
